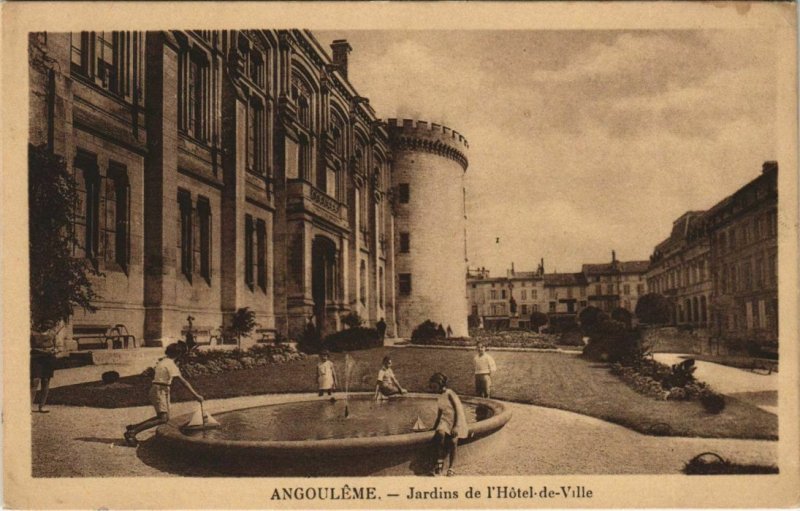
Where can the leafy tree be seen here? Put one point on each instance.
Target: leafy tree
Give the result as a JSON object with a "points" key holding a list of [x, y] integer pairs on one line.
{"points": [[622, 315], [538, 319], [58, 281], [242, 324], [590, 317], [654, 308]]}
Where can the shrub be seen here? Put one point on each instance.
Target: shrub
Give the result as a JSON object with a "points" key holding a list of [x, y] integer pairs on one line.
{"points": [[681, 374], [357, 338], [572, 338], [110, 377], [425, 331], [562, 324], [310, 341], [352, 320], [538, 319], [590, 318], [653, 308], [712, 402], [623, 316], [612, 342]]}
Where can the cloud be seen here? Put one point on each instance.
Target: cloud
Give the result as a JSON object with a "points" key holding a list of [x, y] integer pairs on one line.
{"points": [[582, 141]]}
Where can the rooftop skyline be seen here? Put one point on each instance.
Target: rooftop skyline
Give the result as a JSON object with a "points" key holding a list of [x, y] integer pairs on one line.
{"points": [[581, 142]]}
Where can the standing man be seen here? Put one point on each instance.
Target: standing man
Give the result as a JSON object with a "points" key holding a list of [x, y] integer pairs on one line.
{"points": [[380, 326], [484, 368]]}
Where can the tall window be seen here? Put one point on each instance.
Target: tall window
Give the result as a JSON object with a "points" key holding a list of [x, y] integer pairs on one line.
{"points": [[185, 206], [403, 193], [249, 230], [404, 283], [362, 277], [255, 137], [87, 206], [116, 241], [304, 157], [193, 94], [381, 287], [404, 242], [493, 294], [261, 254], [104, 57], [204, 226]]}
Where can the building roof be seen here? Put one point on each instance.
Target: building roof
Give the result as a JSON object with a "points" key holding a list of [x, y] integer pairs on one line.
{"points": [[526, 275], [616, 267], [564, 279]]}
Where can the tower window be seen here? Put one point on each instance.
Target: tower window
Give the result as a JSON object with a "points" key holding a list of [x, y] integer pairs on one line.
{"points": [[404, 242], [404, 283], [403, 193]]}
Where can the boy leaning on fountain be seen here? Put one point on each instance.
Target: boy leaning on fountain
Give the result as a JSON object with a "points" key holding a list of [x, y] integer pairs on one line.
{"points": [[450, 426], [165, 371]]}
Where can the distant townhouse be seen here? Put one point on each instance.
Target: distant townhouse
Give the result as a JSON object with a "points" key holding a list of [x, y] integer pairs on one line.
{"points": [[616, 284]]}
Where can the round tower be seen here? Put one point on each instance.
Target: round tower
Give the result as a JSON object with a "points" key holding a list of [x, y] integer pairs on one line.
{"points": [[429, 162]]}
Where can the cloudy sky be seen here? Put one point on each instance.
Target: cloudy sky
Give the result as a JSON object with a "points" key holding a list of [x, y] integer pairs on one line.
{"points": [[580, 141]]}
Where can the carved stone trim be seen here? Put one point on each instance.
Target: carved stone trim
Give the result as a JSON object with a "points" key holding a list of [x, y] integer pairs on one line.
{"points": [[430, 146]]}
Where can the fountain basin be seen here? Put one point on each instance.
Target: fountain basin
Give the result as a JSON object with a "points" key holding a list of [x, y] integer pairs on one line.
{"points": [[305, 428]]}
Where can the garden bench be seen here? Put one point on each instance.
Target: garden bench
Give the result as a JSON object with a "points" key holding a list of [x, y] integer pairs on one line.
{"points": [[764, 366], [204, 335], [106, 336]]}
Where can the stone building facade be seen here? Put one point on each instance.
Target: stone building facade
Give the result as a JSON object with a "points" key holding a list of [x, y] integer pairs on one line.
{"points": [[616, 284], [719, 268], [503, 302], [680, 270], [743, 235], [226, 169]]}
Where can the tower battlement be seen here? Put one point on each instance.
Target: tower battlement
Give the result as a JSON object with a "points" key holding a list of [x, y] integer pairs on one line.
{"points": [[429, 136]]}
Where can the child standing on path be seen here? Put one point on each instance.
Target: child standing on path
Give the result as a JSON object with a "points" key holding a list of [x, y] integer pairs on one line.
{"points": [[165, 372], [450, 425], [484, 368], [326, 374]]}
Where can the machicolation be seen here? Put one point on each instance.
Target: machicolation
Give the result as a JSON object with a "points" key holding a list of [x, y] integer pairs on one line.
{"points": [[429, 137]]}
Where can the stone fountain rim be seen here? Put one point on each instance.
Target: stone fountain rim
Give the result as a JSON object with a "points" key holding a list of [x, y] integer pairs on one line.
{"points": [[171, 432]]}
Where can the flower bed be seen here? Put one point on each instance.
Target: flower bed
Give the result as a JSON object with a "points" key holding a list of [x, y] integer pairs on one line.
{"points": [[508, 339], [650, 382], [218, 361]]}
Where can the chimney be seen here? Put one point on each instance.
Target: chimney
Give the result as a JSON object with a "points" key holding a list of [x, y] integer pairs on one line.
{"points": [[613, 256], [769, 166], [341, 48]]}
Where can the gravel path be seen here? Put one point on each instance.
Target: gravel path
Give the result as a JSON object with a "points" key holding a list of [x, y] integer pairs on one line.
{"points": [[75, 441]]}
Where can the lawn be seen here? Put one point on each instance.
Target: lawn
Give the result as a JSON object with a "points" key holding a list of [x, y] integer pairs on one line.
{"points": [[556, 380]]}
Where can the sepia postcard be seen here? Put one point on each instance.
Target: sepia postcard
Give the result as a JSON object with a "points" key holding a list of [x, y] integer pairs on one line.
{"points": [[330, 255]]}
